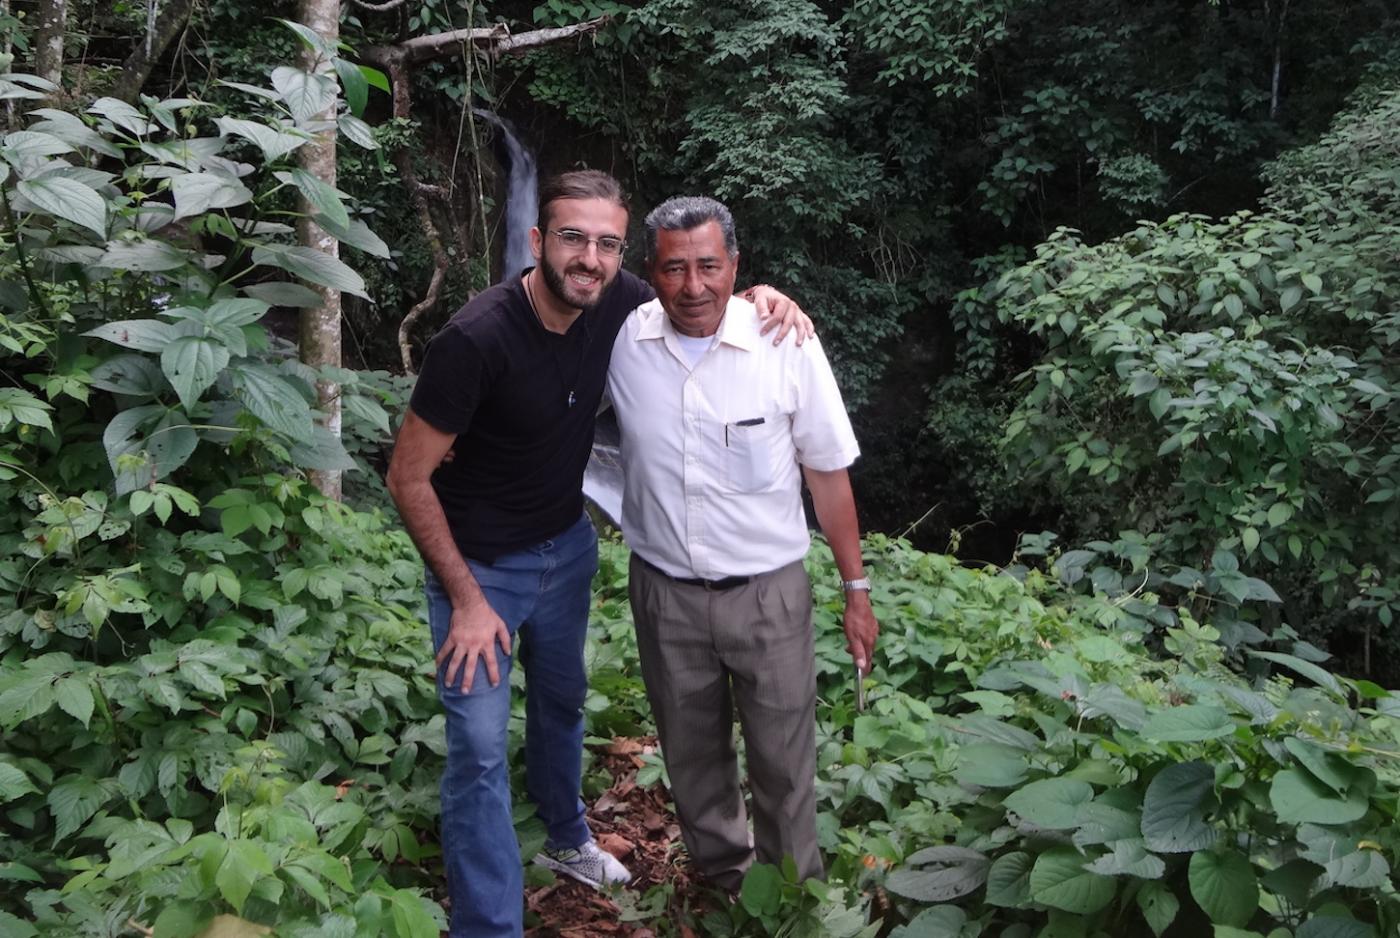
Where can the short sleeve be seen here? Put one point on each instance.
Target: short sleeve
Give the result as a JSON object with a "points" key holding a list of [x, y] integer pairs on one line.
{"points": [[821, 428], [450, 381]]}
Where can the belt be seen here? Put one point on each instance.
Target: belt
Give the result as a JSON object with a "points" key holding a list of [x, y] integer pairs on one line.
{"points": [[724, 583]]}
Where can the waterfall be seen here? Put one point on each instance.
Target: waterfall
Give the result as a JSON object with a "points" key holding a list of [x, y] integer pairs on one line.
{"points": [[522, 197]]}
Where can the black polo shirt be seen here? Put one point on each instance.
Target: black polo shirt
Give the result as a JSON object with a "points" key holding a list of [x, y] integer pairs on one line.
{"points": [[521, 400]]}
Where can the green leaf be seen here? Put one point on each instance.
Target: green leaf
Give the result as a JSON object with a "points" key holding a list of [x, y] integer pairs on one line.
{"points": [[1173, 809], [243, 865], [938, 874], [1129, 858], [74, 697], [1224, 886], [1298, 798], [130, 374], [68, 199], [73, 801], [192, 363], [356, 86], [307, 96], [312, 265], [273, 399], [991, 765], [144, 335], [13, 927], [284, 293], [14, 783], [1052, 803], [322, 198], [309, 884], [1009, 880], [1279, 513], [1250, 540], [196, 193], [1364, 869], [357, 234], [274, 144], [1328, 926], [143, 256], [1060, 881], [1329, 768], [1307, 669], [357, 132], [180, 920], [411, 916], [762, 889], [1189, 723], [1158, 906], [941, 921]]}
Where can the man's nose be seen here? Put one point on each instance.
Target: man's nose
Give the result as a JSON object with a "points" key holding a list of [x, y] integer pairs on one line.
{"points": [[694, 285]]}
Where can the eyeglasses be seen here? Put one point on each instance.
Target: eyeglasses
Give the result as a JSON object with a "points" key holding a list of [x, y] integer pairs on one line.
{"points": [[608, 246]]}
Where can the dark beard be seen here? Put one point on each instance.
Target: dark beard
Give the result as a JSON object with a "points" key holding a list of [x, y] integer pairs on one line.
{"points": [[554, 281]]}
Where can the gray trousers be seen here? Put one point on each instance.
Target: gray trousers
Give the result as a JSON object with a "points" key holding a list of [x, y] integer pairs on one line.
{"points": [[705, 653]]}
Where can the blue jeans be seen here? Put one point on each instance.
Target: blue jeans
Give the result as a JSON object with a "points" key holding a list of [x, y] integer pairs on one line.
{"points": [[543, 594]]}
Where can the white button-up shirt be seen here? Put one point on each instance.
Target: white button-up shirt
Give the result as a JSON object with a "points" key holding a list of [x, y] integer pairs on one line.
{"points": [[711, 454]]}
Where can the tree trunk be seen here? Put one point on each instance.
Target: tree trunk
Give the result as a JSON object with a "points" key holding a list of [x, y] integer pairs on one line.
{"points": [[320, 325], [48, 40], [171, 18]]}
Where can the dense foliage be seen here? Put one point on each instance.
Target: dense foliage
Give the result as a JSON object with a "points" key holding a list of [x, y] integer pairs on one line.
{"points": [[214, 693]]}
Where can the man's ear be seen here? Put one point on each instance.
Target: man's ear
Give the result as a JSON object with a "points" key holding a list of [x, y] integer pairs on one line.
{"points": [[536, 243]]}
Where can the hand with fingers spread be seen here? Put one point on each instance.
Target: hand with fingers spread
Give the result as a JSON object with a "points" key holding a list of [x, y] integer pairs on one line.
{"points": [[472, 637], [778, 310]]}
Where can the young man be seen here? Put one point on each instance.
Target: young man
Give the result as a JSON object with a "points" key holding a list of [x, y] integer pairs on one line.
{"points": [[716, 424], [511, 385]]}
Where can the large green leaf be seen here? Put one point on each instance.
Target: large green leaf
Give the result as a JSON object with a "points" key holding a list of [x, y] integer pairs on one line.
{"points": [[129, 373], [192, 363], [762, 889], [356, 86], [991, 765], [1329, 768], [1060, 881], [274, 143], [14, 783], [1009, 880], [938, 874], [1329, 926], [1158, 906], [357, 132], [68, 199], [1173, 810], [1364, 869], [171, 443], [1051, 803], [144, 335], [356, 234], [1298, 798], [1190, 723], [306, 95], [941, 921], [283, 293], [73, 801], [273, 399], [322, 197], [123, 437], [310, 264], [243, 865], [199, 192], [1224, 886], [143, 256], [1129, 858], [1319, 676]]}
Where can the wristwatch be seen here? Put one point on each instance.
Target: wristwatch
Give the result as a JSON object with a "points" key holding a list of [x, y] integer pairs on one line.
{"points": [[852, 586]]}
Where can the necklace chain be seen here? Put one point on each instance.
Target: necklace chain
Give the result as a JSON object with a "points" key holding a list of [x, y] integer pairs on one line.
{"points": [[572, 397]]}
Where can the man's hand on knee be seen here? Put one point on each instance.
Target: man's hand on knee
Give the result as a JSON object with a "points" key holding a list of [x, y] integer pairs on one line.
{"points": [[472, 636]]}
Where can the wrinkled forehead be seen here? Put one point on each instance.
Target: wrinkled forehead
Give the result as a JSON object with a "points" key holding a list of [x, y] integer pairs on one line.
{"points": [[701, 243]]}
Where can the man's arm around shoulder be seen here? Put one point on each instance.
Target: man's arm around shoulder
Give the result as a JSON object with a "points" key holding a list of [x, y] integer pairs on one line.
{"points": [[475, 628]]}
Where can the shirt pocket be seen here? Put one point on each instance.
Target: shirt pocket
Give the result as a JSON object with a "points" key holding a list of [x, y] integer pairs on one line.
{"points": [[751, 452]]}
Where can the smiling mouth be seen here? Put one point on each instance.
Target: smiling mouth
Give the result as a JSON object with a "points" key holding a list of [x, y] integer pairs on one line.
{"points": [[584, 280]]}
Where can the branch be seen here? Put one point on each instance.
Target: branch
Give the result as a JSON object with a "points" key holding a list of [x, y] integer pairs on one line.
{"points": [[380, 7], [494, 39], [143, 58]]}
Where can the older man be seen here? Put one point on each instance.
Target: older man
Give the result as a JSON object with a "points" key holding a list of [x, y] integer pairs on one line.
{"points": [[715, 425], [511, 385]]}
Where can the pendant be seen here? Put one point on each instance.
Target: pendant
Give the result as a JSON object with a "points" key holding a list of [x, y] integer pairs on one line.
{"points": [[571, 398]]}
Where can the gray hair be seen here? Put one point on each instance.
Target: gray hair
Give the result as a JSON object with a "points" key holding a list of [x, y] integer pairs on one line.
{"points": [[684, 212]]}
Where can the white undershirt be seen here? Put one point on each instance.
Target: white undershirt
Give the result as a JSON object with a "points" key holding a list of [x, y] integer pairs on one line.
{"points": [[695, 347]]}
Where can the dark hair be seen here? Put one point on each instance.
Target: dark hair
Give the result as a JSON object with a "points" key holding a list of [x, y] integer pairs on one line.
{"points": [[580, 184], [684, 212]]}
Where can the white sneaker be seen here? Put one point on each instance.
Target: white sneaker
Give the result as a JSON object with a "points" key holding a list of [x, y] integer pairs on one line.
{"points": [[585, 863]]}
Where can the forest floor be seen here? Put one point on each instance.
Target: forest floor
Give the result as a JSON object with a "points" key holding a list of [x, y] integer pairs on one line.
{"points": [[637, 826]]}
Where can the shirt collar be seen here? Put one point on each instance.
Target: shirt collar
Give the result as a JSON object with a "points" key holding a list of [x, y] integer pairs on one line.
{"points": [[738, 328]]}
